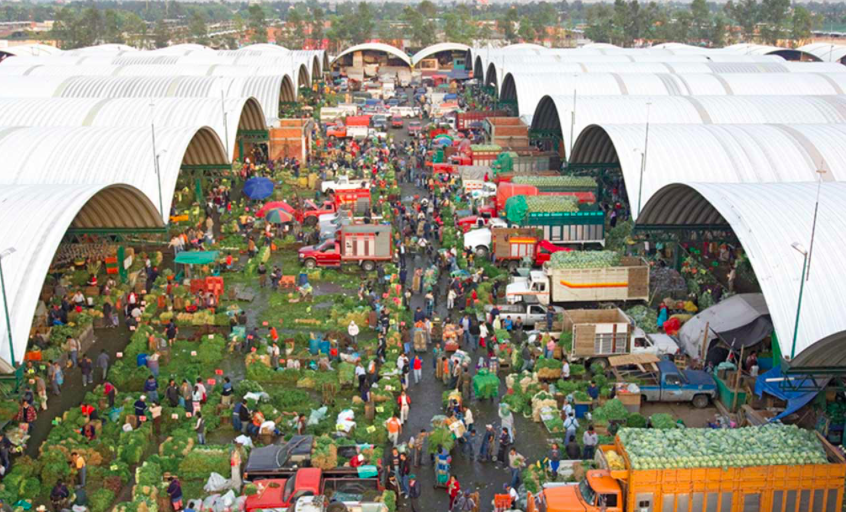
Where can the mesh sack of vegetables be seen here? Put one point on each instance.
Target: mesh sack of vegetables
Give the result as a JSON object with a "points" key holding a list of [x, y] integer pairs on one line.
{"points": [[485, 385]]}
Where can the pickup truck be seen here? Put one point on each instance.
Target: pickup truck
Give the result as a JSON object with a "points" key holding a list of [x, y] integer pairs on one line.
{"points": [[366, 245], [661, 380], [302, 485], [310, 213], [465, 224], [343, 182], [530, 315], [323, 504], [337, 130]]}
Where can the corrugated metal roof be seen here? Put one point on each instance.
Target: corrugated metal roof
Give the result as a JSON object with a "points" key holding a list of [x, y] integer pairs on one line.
{"points": [[556, 112], [268, 90], [437, 48], [30, 50], [529, 88], [241, 113], [559, 65], [826, 52], [375, 47], [90, 156], [767, 218], [35, 218], [751, 153]]}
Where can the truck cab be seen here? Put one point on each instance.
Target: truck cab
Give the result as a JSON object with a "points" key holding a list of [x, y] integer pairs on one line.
{"points": [[325, 254], [661, 380], [598, 491], [337, 130], [310, 212], [532, 288], [281, 493]]}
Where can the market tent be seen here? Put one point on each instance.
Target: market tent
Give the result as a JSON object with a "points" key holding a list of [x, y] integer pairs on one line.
{"points": [[196, 257], [773, 383], [741, 321]]}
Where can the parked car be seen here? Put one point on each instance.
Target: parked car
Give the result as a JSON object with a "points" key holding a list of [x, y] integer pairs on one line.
{"points": [[379, 122], [396, 122], [414, 127]]}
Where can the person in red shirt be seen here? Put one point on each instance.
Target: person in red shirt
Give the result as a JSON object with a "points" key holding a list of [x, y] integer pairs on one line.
{"points": [[358, 460], [417, 368]]}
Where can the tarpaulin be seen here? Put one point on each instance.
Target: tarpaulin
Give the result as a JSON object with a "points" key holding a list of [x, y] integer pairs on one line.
{"points": [[741, 321], [773, 384]]}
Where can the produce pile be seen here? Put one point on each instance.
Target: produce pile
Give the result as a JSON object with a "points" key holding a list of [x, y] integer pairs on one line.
{"points": [[548, 368], [667, 282], [645, 318], [551, 204], [768, 445], [566, 260], [574, 182], [485, 385]]}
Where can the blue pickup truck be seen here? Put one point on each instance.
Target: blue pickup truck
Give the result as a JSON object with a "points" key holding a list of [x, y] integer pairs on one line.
{"points": [[662, 381]]}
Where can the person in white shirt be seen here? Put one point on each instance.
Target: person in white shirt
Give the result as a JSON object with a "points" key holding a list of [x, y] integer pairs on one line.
{"points": [[565, 369], [567, 409]]}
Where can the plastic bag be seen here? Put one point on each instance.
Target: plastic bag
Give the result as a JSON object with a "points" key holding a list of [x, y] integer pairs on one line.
{"points": [[216, 483], [317, 415]]}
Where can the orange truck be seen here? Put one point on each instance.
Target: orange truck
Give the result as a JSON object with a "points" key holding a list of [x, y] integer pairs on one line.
{"points": [[772, 488]]}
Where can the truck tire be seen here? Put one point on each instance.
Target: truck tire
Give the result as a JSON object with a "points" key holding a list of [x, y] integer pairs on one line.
{"points": [[513, 265], [336, 506], [310, 221], [368, 266], [482, 252], [310, 263], [601, 361], [329, 191], [701, 401]]}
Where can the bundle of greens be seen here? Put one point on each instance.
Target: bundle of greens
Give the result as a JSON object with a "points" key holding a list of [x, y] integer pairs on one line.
{"points": [[485, 385], [613, 410], [566, 260]]}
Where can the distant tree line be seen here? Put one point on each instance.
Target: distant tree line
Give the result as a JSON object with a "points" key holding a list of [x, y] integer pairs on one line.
{"points": [[623, 22]]}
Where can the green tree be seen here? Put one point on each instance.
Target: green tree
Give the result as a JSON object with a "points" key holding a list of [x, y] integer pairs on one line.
{"points": [[600, 21], [774, 16], [542, 18], [238, 22], [526, 30], [459, 26], [294, 31], [427, 9], [701, 19], [745, 13], [317, 21], [136, 30], [197, 27], [257, 24], [682, 22], [421, 29], [363, 24], [717, 38], [112, 30], [161, 34], [507, 24], [801, 24]]}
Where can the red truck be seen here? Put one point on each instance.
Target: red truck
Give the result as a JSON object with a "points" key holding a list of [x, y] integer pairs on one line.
{"points": [[336, 130], [366, 245], [310, 213], [355, 199], [283, 493], [473, 119]]}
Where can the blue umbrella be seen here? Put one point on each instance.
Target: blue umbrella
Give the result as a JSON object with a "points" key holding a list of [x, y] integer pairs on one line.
{"points": [[258, 188]]}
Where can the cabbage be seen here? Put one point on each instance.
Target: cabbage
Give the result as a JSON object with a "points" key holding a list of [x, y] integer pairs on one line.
{"points": [[767, 445]]}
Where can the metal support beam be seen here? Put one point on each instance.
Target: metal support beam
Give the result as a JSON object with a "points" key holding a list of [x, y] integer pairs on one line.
{"points": [[608, 165]]}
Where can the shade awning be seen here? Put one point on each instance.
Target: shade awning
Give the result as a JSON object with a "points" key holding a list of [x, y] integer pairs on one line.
{"points": [[772, 383], [196, 257], [741, 320]]}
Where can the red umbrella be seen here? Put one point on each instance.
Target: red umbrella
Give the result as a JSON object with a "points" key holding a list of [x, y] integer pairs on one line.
{"points": [[275, 204]]}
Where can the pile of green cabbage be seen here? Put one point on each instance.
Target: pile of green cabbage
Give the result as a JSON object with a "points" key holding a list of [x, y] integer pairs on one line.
{"points": [[565, 260], [768, 445]]}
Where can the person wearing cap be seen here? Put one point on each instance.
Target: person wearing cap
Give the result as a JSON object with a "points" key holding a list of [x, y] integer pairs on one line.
{"points": [[414, 492], [141, 405]]}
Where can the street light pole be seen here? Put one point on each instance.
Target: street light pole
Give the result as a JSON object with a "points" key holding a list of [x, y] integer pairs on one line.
{"points": [[643, 157], [3, 255], [801, 250], [156, 159], [573, 118], [225, 123], [821, 172]]}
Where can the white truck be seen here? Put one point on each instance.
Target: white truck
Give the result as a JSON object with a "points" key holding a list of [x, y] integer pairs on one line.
{"points": [[628, 281], [480, 241], [404, 112], [343, 182], [388, 90], [479, 189]]}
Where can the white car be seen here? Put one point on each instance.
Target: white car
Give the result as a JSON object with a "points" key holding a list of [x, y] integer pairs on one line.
{"points": [[343, 183]]}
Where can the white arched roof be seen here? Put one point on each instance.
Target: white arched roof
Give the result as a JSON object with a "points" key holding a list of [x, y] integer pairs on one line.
{"points": [[556, 64], [268, 90], [529, 88], [241, 113], [35, 218], [91, 156], [826, 52], [102, 49], [181, 49], [556, 112], [375, 47], [30, 50], [733, 153], [767, 218], [437, 48]]}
